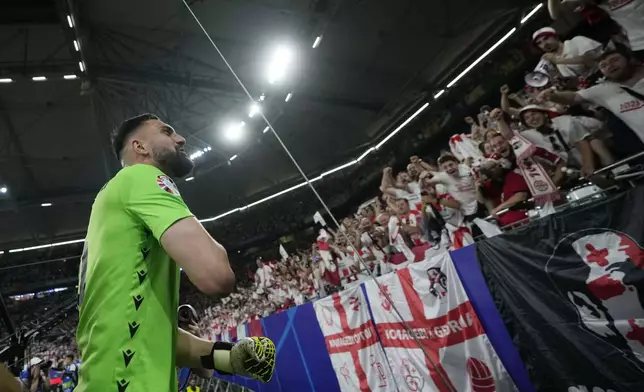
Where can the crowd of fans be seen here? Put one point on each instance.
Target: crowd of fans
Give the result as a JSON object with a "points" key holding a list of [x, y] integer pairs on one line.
{"points": [[581, 109]]}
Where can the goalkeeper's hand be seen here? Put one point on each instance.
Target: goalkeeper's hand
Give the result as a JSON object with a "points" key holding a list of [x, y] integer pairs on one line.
{"points": [[254, 357]]}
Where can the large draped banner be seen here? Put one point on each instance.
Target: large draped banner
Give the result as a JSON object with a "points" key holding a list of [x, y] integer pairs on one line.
{"points": [[351, 341], [441, 346], [571, 290]]}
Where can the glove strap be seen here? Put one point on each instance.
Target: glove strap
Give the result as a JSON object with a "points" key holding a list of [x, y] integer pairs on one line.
{"points": [[208, 361]]}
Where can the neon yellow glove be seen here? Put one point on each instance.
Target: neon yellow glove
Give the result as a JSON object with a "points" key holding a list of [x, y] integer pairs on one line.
{"points": [[254, 357]]}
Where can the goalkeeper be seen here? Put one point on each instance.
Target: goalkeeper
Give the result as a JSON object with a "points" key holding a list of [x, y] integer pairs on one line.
{"points": [[140, 232]]}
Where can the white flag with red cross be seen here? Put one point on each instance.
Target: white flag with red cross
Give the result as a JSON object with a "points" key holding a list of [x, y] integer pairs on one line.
{"points": [[457, 355], [356, 355]]}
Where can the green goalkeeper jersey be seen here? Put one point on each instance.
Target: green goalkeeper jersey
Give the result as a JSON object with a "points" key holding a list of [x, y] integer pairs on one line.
{"points": [[129, 287]]}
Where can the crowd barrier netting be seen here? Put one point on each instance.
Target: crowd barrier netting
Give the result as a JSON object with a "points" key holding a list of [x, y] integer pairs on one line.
{"points": [[568, 310]]}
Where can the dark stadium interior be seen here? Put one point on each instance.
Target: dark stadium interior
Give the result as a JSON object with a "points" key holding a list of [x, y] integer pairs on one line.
{"points": [[378, 62]]}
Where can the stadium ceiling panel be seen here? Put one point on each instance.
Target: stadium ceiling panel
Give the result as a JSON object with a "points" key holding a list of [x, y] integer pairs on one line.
{"points": [[77, 72]]}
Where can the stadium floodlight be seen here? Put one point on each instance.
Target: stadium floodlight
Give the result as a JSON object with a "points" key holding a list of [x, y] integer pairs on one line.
{"points": [[438, 94], [76, 46], [233, 158], [190, 178], [46, 246], [364, 154], [339, 168], [401, 126], [318, 39], [262, 97], [39, 78], [279, 64], [266, 129], [531, 13], [70, 77], [254, 110], [6, 80], [483, 56], [81, 66], [46, 205], [3, 189], [234, 132], [288, 97], [70, 21]]}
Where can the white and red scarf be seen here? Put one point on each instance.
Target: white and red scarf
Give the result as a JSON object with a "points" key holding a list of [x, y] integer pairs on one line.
{"points": [[541, 186]]}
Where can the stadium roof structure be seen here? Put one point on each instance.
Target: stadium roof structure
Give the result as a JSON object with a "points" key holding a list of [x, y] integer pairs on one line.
{"points": [[71, 70]]}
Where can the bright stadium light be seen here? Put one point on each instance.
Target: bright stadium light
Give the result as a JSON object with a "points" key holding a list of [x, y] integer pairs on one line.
{"points": [[254, 110], [190, 178], [39, 78], [234, 132], [266, 129], [262, 97], [534, 11], [3, 189], [401, 126], [70, 77], [483, 56], [46, 205], [317, 41], [81, 66], [76, 46], [196, 155], [279, 64], [438, 94], [6, 80], [288, 97], [233, 158], [69, 21]]}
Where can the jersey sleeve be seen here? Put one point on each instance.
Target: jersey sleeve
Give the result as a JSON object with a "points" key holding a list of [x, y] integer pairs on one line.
{"points": [[585, 44], [594, 94], [152, 198]]}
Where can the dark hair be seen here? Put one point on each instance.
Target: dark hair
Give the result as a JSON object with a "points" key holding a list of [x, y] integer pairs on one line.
{"points": [[126, 128], [618, 49], [481, 147], [447, 157]]}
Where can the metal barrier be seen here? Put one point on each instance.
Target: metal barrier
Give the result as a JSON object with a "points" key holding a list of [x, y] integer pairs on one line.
{"points": [[215, 384], [618, 176]]}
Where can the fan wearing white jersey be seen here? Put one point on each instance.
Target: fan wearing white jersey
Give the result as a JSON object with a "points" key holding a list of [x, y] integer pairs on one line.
{"points": [[622, 93], [629, 14], [574, 58]]}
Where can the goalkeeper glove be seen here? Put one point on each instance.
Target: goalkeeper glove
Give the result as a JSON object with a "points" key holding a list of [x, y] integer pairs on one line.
{"points": [[250, 357]]}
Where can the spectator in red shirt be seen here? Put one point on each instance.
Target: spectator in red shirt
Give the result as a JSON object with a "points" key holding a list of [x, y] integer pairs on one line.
{"points": [[504, 189]]}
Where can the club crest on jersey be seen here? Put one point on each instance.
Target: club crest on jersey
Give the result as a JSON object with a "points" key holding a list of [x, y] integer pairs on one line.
{"points": [[166, 183]]}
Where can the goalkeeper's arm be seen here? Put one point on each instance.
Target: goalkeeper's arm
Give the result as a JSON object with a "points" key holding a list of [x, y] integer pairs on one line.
{"points": [[249, 357], [191, 350]]}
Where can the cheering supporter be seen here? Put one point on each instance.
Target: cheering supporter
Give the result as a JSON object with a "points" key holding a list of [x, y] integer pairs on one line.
{"points": [[573, 58], [622, 93], [629, 14], [445, 211], [402, 187], [459, 181], [501, 188], [568, 137]]}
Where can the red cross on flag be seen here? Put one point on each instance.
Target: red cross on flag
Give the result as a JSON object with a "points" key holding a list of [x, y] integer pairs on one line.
{"points": [[356, 355], [431, 299]]}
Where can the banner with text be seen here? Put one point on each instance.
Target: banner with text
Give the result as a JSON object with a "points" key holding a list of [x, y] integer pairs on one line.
{"points": [[447, 348], [356, 355]]}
